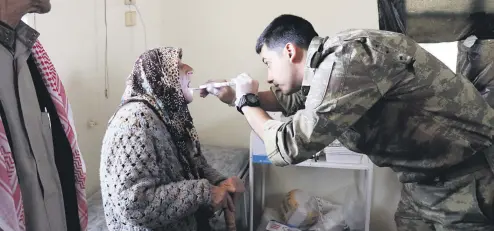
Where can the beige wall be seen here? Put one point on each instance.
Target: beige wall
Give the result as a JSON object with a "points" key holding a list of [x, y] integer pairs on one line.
{"points": [[218, 39]]}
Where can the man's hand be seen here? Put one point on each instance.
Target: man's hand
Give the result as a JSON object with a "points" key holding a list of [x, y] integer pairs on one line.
{"points": [[225, 94], [244, 84]]}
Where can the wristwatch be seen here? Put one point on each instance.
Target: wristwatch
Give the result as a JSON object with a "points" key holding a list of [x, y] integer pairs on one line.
{"points": [[250, 100]]}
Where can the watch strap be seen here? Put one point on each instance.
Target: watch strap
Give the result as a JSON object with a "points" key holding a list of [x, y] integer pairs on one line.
{"points": [[244, 102]]}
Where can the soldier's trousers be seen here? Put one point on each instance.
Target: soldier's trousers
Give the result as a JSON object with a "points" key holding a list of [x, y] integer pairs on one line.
{"points": [[463, 203]]}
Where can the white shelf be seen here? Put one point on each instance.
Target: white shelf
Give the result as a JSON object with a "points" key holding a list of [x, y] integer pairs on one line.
{"points": [[342, 158], [324, 164], [335, 157]]}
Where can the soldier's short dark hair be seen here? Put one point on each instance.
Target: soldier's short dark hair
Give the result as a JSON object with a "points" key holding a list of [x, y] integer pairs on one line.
{"points": [[285, 29]]}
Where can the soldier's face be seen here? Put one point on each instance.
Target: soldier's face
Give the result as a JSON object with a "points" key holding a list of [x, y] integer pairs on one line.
{"points": [[283, 68]]}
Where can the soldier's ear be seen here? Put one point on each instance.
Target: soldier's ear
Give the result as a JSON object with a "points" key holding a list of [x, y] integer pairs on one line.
{"points": [[291, 50], [295, 53]]}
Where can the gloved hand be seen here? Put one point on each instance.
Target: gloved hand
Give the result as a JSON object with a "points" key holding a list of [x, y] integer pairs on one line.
{"points": [[225, 94], [244, 84]]}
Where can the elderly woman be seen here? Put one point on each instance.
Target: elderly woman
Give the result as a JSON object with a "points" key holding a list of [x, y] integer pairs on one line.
{"points": [[153, 174]]}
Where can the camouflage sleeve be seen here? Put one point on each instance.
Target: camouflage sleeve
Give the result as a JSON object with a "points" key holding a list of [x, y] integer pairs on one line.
{"points": [[290, 103], [338, 97]]}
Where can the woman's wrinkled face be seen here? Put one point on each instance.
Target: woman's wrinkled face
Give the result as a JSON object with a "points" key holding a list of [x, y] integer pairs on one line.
{"points": [[186, 73]]}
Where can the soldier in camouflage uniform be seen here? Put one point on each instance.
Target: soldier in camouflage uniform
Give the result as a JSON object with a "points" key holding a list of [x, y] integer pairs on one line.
{"points": [[379, 93], [475, 61]]}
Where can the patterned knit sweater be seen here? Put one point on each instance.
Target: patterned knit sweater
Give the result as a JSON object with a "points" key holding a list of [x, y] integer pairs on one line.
{"points": [[141, 181]]}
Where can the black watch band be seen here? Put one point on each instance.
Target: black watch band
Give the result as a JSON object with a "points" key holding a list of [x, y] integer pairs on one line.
{"points": [[251, 100]]}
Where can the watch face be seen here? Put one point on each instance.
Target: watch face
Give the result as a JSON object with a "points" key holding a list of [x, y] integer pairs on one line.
{"points": [[251, 98]]}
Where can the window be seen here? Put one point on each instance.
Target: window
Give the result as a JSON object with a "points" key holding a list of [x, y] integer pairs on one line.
{"points": [[446, 52]]}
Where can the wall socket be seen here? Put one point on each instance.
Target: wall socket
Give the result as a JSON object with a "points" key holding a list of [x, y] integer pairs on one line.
{"points": [[130, 18], [92, 123], [130, 2]]}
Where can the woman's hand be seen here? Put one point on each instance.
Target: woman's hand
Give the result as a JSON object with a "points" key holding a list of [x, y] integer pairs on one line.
{"points": [[233, 185], [230, 215], [219, 197]]}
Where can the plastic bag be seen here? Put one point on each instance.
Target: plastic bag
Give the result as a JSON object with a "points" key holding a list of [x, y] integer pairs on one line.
{"points": [[269, 214], [299, 209], [325, 206], [354, 209], [331, 218], [331, 221], [276, 226], [347, 217]]}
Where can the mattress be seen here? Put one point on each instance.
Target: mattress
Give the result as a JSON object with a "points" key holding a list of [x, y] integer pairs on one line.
{"points": [[228, 161]]}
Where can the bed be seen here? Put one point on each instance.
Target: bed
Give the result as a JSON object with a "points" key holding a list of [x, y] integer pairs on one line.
{"points": [[229, 161]]}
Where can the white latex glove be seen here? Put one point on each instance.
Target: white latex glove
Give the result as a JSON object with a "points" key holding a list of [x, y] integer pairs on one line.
{"points": [[212, 90], [244, 84], [221, 89]]}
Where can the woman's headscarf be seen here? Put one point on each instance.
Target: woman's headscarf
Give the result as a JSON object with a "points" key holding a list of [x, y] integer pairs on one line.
{"points": [[155, 81]]}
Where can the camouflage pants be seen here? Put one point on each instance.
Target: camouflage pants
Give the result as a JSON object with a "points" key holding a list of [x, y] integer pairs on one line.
{"points": [[463, 203]]}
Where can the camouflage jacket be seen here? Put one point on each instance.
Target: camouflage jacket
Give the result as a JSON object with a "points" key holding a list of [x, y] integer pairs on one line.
{"points": [[381, 94]]}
